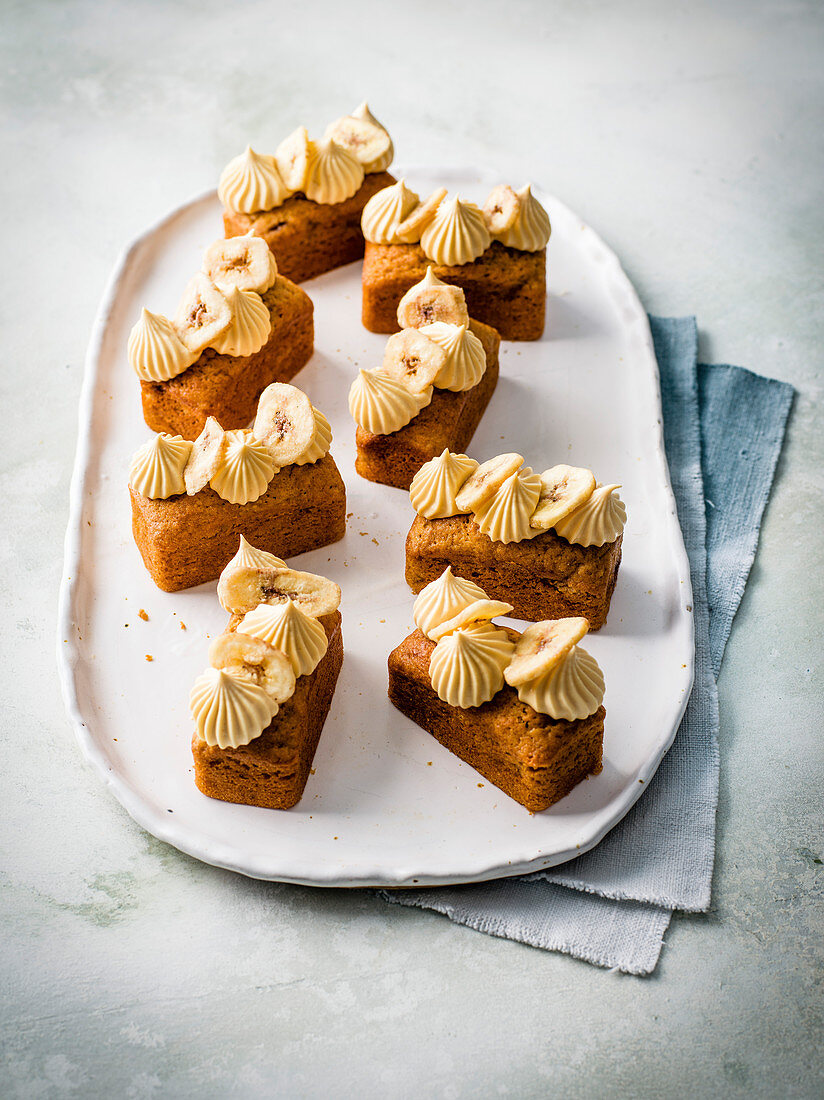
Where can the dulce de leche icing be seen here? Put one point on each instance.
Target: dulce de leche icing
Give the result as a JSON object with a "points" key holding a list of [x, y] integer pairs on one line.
{"points": [[326, 171], [382, 405], [572, 689], [467, 666], [250, 557], [452, 232], [385, 211], [505, 516], [530, 230], [434, 486], [250, 326], [582, 512], [156, 469], [288, 628], [156, 352], [473, 657], [245, 470], [334, 174], [237, 465], [465, 356], [229, 711], [456, 235], [598, 520], [251, 182], [442, 599]]}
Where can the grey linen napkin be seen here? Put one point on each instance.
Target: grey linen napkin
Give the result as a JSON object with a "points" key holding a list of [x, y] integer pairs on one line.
{"points": [[723, 431]]}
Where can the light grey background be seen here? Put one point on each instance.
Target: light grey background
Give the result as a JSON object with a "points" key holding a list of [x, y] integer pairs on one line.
{"points": [[689, 136]]}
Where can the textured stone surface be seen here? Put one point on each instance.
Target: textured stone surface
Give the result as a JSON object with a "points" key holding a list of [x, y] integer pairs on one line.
{"points": [[690, 137]]}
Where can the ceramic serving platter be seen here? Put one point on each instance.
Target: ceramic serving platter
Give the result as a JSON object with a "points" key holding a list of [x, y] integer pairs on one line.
{"points": [[386, 804]]}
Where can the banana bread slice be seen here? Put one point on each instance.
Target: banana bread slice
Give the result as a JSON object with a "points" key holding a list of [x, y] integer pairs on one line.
{"points": [[272, 770], [533, 758], [228, 386], [449, 420], [187, 540]]}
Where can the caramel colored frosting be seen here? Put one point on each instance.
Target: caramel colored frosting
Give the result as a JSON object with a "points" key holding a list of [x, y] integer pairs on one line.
{"points": [[385, 211], [291, 630], [434, 486], [251, 182], [320, 442], [157, 468], [467, 667], [156, 352], [599, 519], [334, 175], [531, 229], [250, 326], [381, 405], [456, 235], [465, 356], [229, 711], [245, 470], [249, 557], [442, 599], [572, 689], [505, 516]]}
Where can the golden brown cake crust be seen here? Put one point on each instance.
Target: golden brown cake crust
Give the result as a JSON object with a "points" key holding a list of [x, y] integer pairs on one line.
{"points": [[228, 386], [449, 420], [272, 770], [187, 540], [543, 578], [504, 287], [309, 238], [533, 758]]}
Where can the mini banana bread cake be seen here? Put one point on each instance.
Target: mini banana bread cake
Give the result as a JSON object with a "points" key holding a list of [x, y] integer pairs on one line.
{"points": [[449, 419], [550, 544], [261, 706], [306, 201], [497, 256], [228, 386], [238, 327], [523, 710], [276, 483], [308, 238]]}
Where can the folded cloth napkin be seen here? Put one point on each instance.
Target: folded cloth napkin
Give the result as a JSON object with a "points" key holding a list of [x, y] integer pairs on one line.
{"points": [[723, 431]]}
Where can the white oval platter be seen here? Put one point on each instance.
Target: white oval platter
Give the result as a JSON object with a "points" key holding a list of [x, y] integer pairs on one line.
{"points": [[386, 805]]}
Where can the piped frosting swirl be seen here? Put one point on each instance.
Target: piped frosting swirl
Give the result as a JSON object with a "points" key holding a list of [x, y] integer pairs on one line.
{"points": [[456, 235], [465, 356], [334, 175], [156, 352], [505, 516], [251, 182], [570, 690], [245, 470], [289, 629], [385, 211], [530, 230], [229, 711], [466, 667], [250, 326], [599, 519], [250, 557], [157, 467], [444, 598], [434, 486], [381, 405]]}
